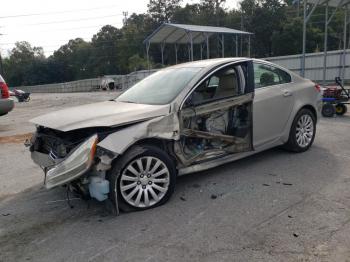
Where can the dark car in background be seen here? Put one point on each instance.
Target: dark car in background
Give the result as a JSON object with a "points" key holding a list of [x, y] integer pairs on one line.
{"points": [[6, 103]]}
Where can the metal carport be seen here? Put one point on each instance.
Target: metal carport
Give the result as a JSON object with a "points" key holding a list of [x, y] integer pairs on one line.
{"points": [[336, 5], [177, 34]]}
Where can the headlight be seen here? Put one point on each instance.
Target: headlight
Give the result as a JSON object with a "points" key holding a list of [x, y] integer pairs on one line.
{"points": [[75, 164]]}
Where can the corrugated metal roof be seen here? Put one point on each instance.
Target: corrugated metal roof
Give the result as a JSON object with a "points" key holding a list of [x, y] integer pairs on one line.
{"points": [[178, 33], [331, 3]]}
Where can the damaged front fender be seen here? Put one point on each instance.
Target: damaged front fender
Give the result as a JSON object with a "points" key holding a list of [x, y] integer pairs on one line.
{"points": [[163, 127]]}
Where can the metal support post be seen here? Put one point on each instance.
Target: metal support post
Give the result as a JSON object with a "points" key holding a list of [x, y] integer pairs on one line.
{"points": [[147, 54], [236, 45], [305, 20], [325, 45], [344, 40], [175, 53], [162, 46], [223, 45], [208, 54], [191, 39], [248, 45]]}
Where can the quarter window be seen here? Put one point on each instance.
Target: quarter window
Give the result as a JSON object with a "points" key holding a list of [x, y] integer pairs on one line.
{"points": [[266, 75]]}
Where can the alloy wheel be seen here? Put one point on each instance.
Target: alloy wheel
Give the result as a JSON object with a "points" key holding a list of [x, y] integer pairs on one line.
{"points": [[144, 181], [304, 130]]}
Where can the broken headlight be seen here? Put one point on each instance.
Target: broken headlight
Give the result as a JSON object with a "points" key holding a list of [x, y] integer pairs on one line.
{"points": [[74, 165]]}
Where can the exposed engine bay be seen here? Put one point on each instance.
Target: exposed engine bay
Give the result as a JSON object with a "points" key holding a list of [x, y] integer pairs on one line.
{"points": [[51, 148]]}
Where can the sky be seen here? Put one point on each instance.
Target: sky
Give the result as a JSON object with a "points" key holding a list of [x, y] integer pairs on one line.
{"points": [[50, 24]]}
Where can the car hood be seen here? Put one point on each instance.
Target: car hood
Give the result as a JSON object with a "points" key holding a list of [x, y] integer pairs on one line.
{"points": [[103, 114]]}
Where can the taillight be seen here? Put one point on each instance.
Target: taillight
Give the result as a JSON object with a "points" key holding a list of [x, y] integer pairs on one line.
{"points": [[4, 90], [318, 87]]}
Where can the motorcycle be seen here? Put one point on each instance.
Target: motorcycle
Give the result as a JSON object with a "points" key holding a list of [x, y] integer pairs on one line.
{"points": [[21, 95]]}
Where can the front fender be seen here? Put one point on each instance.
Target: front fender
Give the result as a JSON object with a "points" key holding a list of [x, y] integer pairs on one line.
{"points": [[164, 127]]}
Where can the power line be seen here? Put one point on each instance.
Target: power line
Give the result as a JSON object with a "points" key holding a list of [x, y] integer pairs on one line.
{"points": [[125, 37], [57, 12], [70, 20], [70, 28]]}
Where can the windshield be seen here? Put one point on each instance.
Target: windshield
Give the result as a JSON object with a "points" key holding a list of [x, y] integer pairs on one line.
{"points": [[161, 87]]}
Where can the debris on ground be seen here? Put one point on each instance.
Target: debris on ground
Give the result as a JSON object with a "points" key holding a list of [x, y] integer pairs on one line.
{"points": [[15, 139], [182, 198], [295, 234], [265, 184], [213, 196], [287, 184]]}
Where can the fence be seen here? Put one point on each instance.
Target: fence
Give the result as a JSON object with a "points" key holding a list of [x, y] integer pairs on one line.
{"points": [[314, 65], [89, 85]]}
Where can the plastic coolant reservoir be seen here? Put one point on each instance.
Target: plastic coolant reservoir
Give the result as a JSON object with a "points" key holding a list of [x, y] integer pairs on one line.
{"points": [[99, 188]]}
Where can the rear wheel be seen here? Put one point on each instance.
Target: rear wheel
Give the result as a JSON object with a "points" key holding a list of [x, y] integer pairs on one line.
{"points": [[340, 109], [143, 179], [302, 132], [328, 110]]}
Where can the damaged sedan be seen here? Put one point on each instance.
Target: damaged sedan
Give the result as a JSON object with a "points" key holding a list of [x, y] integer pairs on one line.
{"points": [[179, 120]]}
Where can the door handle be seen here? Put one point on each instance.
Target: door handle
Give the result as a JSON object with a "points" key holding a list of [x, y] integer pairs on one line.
{"points": [[287, 93]]}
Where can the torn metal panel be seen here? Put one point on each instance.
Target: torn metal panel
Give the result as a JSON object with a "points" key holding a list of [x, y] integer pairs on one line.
{"points": [[164, 127]]}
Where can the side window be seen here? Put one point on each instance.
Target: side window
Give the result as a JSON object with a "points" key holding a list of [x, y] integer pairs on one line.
{"points": [[266, 75], [227, 82]]}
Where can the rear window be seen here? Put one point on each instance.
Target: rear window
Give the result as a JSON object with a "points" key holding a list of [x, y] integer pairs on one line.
{"points": [[267, 75], [1, 79]]}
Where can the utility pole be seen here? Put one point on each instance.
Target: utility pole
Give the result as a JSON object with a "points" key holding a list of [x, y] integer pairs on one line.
{"points": [[125, 19]]}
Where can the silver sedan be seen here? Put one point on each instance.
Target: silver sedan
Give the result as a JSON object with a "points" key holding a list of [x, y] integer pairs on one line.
{"points": [[182, 119]]}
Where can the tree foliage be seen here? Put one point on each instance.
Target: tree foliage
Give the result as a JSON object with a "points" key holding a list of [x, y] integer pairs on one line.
{"points": [[276, 24]]}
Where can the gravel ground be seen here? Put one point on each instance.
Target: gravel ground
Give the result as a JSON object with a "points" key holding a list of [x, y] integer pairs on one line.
{"points": [[273, 206]]}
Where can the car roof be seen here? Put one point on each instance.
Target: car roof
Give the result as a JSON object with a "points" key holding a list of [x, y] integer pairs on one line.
{"points": [[209, 62]]}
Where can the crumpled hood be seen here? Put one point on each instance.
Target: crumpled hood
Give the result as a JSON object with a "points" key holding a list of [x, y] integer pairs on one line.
{"points": [[103, 114]]}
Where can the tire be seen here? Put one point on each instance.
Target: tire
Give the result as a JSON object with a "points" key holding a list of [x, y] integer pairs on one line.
{"points": [[340, 109], [302, 132], [328, 110], [138, 190]]}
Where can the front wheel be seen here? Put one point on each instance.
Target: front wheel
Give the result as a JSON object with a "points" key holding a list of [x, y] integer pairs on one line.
{"points": [[302, 132], [143, 178]]}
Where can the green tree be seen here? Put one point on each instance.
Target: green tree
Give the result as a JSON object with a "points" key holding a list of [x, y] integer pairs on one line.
{"points": [[105, 56], [163, 10], [73, 58], [20, 66]]}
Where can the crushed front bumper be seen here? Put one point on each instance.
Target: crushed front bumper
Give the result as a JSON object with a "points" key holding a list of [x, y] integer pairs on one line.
{"points": [[74, 165]]}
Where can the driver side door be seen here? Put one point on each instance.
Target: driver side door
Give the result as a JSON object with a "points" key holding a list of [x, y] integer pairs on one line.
{"points": [[216, 117]]}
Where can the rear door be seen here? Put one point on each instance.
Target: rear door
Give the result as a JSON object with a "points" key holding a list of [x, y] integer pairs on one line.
{"points": [[273, 103], [216, 117]]}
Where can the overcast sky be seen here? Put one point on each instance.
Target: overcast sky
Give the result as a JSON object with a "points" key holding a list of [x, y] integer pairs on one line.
{"points": [[50, 24]]}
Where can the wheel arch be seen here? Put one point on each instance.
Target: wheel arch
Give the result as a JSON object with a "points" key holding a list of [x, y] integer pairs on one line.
{"points": [[311, 108], [161, 143]]}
